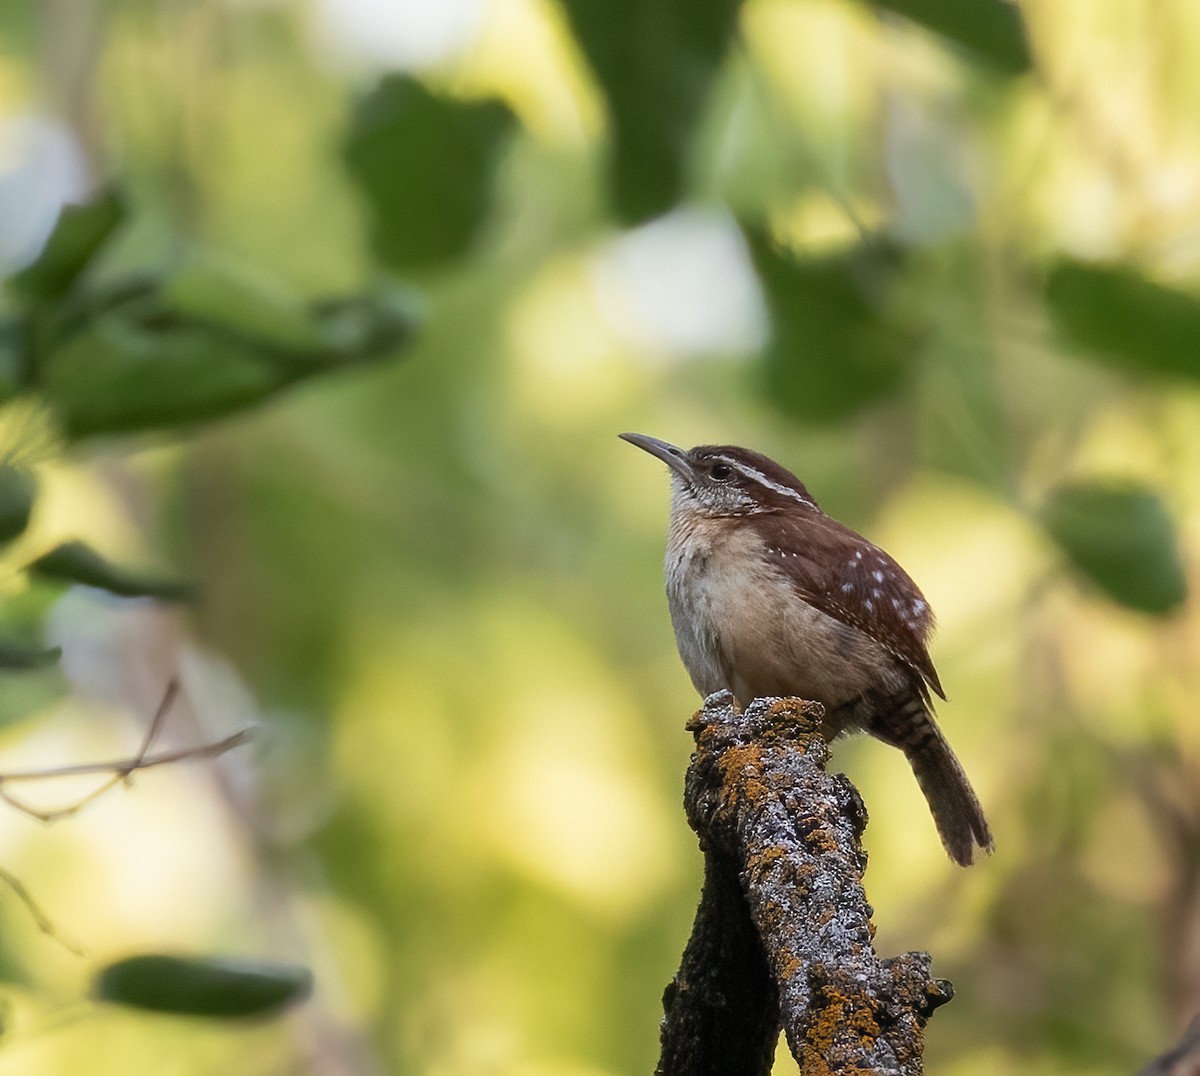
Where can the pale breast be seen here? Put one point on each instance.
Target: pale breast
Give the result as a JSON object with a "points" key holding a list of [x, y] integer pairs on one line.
{"points": [[739, 624]]}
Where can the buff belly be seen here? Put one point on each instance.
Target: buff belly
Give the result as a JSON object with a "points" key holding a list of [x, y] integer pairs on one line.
{"points": [[732, 610]]}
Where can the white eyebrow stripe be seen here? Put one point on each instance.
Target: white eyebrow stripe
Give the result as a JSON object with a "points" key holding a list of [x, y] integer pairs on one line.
{"points": [[758, 476]]}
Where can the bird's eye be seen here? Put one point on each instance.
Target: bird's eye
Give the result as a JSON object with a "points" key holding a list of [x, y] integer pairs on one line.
{"points": [[722, 472]]}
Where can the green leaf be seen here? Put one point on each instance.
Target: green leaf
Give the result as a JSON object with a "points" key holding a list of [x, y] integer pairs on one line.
{"points": [[1120, 537], [17, 656], [369, 326], [835, 348], [143, 365], [18, 490], [12, 356], [656, 61], [1125, 319], [80, 232], [225, 292], [990, 29], [208, 987], [117, 376], [425, 165], [74, 562]]}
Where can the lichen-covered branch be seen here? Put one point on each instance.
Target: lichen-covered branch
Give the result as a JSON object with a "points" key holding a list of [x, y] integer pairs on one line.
{"points": [[722, 1008], [774, 824]]}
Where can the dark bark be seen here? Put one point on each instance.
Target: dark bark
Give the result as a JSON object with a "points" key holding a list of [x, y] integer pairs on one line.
{"points": [[722, 1008], [783, 935]]}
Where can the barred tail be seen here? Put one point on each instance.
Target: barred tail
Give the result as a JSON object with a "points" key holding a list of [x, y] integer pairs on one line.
{"points": [[956, 810]]}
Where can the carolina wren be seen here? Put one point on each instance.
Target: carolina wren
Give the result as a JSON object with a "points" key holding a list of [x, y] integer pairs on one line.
{"points": [[770, 596]]}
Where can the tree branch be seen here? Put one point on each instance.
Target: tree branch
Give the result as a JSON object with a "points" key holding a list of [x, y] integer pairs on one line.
{"points": [[120, 769], [784, 837]]}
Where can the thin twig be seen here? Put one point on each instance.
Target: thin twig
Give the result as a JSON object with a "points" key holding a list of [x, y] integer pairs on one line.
{"points": [[122, 769], [31, 906], [156, 722], [123, 773]]}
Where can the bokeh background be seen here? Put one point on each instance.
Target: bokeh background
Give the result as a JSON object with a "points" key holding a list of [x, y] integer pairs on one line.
{"points": [[375, 286]]}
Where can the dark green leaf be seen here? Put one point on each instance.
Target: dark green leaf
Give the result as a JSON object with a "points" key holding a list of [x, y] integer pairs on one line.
{"points": [[12, 348], [145, 365], [991, 29], [74, 562], [203, 987], [16, 656], [117, 377], [656, 61], [425, 164], [834, 347], [18, 490], [80, 232], [1120, 537], [1125, 319]]}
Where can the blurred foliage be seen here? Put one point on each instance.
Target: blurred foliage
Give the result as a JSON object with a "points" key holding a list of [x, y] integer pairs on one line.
{"points": [[938, 257], [992, 30], [201, 987], [426, 166], [206, 338], [837, 305], [655, 61], [1126, 319], [74, 562], [1121, 539]]}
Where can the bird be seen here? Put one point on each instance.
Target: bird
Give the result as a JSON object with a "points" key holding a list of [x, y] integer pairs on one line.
{"points": [[771, 597]]}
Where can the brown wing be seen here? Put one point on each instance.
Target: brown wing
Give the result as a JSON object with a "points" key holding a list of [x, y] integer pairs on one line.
{"points": [[854, 581]]}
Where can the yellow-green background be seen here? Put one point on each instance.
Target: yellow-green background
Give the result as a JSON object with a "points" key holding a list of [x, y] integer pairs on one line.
{"points": [[435, 583]]}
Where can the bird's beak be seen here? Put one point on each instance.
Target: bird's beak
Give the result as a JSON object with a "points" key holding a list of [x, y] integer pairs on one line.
{"points": [[673, 457]]}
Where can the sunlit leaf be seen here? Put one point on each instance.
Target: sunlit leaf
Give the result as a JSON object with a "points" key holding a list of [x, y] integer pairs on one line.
{"points": [[74, 562], [991, 29], [1125, 319], [834, 348], [655, 60], [18, 490], [225, 292], [196, 986], [1121, 538], [80, 232], [425, 164]]}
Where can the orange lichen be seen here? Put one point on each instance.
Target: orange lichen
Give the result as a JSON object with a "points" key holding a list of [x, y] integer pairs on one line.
{"points": [[787, 965], [741, 772], [836, 1014]]}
